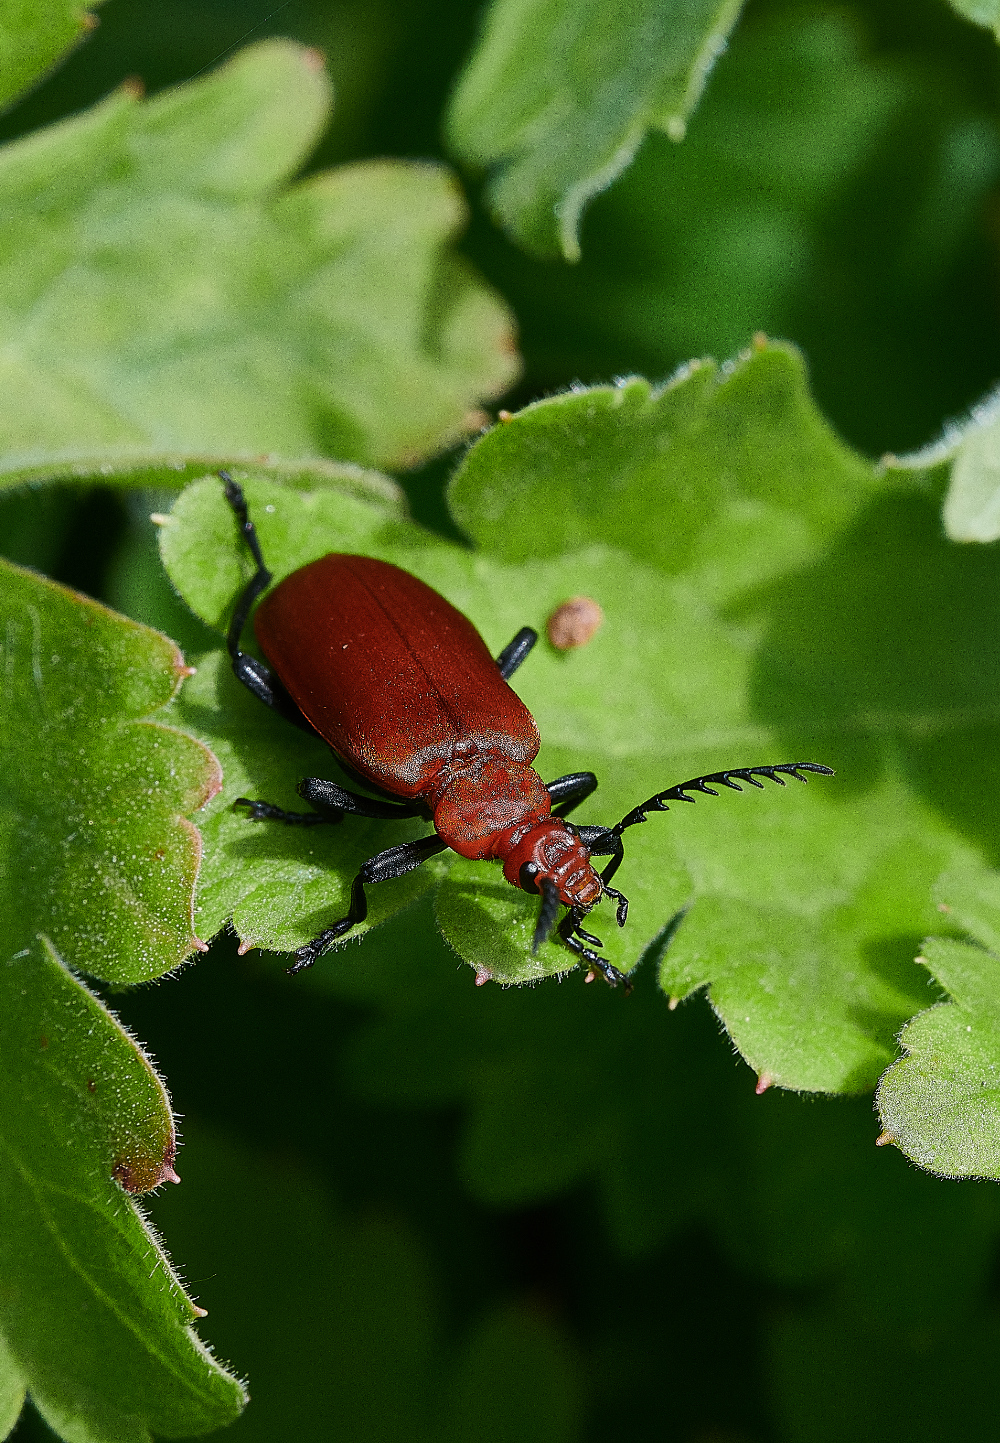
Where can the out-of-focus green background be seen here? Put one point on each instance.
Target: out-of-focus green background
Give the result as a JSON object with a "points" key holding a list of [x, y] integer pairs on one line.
{"points": [[838, 187]]}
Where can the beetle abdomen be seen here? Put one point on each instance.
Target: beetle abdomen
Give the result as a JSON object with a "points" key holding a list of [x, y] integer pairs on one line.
{"points": [[389, 673]]}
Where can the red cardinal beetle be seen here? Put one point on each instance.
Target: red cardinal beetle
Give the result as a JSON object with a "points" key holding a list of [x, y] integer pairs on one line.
{"points": [[403, 689]]}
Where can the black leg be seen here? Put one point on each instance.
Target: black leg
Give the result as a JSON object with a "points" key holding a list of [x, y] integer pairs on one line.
{"points": [[327, 796], [574, 938], [392, 863], [268, 812], [253, 674], [570, 791], [515, 651]]}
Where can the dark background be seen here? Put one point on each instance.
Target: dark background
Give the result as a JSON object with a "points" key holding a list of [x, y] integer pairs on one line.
{"points": [[740, 1268]]}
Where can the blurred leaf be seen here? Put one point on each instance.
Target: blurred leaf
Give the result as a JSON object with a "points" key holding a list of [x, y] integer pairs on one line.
{"points": [[34, 35], [559, 94], [833, 187], [376, 1363], [981, 12], [94, 1318], [141, 469], [12, 1390], [164, 292], [940, 1103], [972, 505]]}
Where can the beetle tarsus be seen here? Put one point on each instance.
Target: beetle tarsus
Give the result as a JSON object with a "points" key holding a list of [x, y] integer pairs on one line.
{"points": [[516, 650]]}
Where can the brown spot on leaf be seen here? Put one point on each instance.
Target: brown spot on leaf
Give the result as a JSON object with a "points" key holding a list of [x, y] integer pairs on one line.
{"points": [[574, 622]]}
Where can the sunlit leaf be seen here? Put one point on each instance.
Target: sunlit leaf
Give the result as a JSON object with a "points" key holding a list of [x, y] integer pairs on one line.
{"points": [[165, 290]]}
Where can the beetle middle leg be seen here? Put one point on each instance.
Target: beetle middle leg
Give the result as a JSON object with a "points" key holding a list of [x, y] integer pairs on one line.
{"points": [[394, 862], [569, 791]]}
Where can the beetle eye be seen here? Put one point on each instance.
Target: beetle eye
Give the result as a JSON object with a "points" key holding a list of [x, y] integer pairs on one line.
{"points": [[527, 875]]}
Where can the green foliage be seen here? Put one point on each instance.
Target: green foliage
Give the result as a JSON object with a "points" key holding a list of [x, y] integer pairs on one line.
{"points": [[99, 866], [34, 34], [831, 188], [940, 1103], [982, 12], [758, 527], [367, 1354], [419, 1208], [559, 95], [182, 298]]}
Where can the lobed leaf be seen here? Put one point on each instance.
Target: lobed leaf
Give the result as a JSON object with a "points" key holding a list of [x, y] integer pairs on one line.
{"points": [[940, 1103], [762, 612], [558, 97], [166, 291], [99, 866]]}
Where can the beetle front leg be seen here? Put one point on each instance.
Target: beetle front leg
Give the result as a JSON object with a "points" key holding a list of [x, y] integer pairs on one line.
{"points": [[394, 862], [569, 929]]}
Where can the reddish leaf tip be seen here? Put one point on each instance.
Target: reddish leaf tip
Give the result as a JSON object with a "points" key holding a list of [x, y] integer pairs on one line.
{"points": [[673, 1003], [764, 1081], [591, 976], [313, 58], [483, 975], [137, 1174], [244, 948], [199, 1312], [884, 1139], [505, 415], [198, 945]]}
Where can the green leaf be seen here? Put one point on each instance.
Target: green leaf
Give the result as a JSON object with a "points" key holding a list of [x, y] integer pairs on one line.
{"points": [[815, 131], [99, 865], [980, 12], [12, 1390], [972, 505], [559, 95], [84, 1115], [763, 611], [97, 853], [940, 1103], [34, 35], [144, 470], [164, 290]]}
